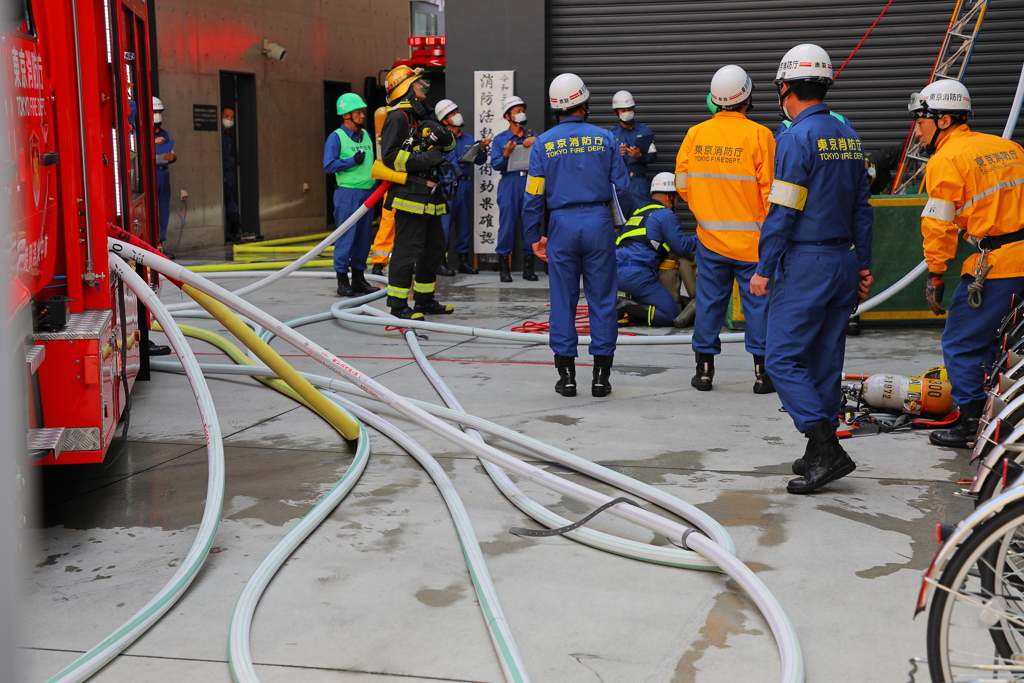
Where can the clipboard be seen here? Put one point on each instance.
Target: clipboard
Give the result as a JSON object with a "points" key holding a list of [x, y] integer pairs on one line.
{"points": [[519, 159], [470, 156], [618, 219], [165, 148]]}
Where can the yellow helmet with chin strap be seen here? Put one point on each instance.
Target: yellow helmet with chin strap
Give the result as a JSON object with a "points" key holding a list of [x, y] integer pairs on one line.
{"points": [[399, 80]]}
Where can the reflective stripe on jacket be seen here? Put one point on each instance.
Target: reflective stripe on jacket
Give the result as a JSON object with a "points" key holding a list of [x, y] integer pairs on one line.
{"points": [[724, 172], [975, 182]]}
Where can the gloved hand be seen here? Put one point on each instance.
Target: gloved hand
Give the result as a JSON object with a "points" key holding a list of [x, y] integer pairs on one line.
{"points": [[432, 157], [434, 133], [359, 157], [933, 290]]}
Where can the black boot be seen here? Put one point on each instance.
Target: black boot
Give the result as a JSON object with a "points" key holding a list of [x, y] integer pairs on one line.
{"points": [[853, 327], [566, 366], [406, 313], [705, 372], [602, 371], [962, 434], [528, 264], [433, 307], [359, 283], [466, 264], [378, 269], [799, 466], [504, 271], [636, 314], [159, 349], [344, 288], [826, 462], [444, 269], [762, 382]]}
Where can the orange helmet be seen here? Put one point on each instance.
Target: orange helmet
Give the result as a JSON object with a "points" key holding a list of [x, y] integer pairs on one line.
{"points": [[399, 80]]}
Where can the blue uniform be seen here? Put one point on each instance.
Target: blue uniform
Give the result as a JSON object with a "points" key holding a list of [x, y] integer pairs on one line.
{"points": [[227, 151], [460, 208], [787, 124], [163, 184], [816, 238], [641, 248], [575, 170], [643, 137], [510, 194], [352, 248]]}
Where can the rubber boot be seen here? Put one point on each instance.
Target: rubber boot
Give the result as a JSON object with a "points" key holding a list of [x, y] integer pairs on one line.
{"points": [[504, 271], [800, 464], [466, 264], [636, 314], [566, 366], [378, 269], [853, 327], [602, 371], [344, 288], [406, 313], [762, 382], [528, 267], [826, 462], [964, 431], [705, 372], [433, 307], [444, 269], [359, 283]]}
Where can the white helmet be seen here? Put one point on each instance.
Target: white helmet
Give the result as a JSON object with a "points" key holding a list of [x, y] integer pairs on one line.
{"points": [[805, 62], [943, 97], [567, 91], [623, 100], [730, 86], [443, 108], [664, 182], [509, 102], [158, 105]]}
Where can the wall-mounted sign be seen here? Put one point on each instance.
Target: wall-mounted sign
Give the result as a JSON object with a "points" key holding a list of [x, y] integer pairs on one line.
{"points": [[205, 117], [489, 89]]}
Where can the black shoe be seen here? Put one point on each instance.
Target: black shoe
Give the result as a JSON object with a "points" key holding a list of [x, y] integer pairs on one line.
{"points": [[444, 269], [705, 372], [853, 327], [466, 265], [600, 386], [234, 237], [800, 464], [359, 283], [566, 366], [434, 307], [504, 271], [158, 349], [406, 313], [344, 288], [828, 461], [528, 264], [378, 269], [762, 382], [964, 431]]}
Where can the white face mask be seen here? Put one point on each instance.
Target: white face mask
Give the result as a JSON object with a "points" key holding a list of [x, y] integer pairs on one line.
{"points": [[457, 120], [227, 123], [626, 116], [158, 118], [519, 118]]}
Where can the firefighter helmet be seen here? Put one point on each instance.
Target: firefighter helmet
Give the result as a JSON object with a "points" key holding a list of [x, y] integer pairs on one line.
{"points": [[664, 182], [158, 104], [443, 108], [805, 62], [350, 102], [567, 91], [511, 101], [399, 80], [730, 86], [941, 97], [623, 100]]}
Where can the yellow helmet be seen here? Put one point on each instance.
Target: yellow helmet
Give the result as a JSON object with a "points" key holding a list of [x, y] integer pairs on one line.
{"points": [[399, 80]]}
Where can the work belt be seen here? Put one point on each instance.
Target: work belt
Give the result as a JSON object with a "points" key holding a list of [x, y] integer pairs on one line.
{"points": [[981, 270], [636, 175], [421, 181], [162, 166], [635, 264], [822, 243], [993, 242], [514, 173]]}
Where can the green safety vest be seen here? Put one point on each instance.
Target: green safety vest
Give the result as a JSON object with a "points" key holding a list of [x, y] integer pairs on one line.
{"points": [[357, 177]]}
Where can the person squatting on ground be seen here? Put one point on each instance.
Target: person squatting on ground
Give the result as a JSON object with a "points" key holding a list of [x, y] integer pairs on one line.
{"points": [[816, 241], [460, 209], [636, 144], [575, 173], [511, 188], [413, 144], [649, 236], [724, 173], [348, 154], [975, 183]]}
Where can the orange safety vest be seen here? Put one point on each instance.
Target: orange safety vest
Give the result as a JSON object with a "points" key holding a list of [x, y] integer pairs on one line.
{"points": [[724, 171], [975, 183]]}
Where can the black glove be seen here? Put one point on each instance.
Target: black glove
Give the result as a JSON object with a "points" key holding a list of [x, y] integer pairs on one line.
{"points": [[432, 157], [359, 157], [434, 133], [934, 288]]}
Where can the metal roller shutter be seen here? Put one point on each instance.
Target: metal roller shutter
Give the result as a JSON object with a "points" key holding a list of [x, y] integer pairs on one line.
{"points": [[665, 53]]}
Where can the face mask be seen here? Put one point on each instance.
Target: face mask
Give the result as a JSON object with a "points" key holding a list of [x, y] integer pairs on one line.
{"points": [[227, 123], [158, 118], [626, 116], [457, 120], [782, 104], [519, 118]]}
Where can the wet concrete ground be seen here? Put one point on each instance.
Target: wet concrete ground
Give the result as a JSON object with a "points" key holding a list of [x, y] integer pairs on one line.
{"points": [[380, 591]]}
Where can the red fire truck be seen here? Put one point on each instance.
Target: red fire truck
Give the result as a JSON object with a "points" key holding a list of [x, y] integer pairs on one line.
{"points": [[77, 158]]}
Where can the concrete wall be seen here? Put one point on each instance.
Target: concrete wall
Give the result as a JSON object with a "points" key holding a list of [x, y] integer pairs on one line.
{"points": [[340, 40]]}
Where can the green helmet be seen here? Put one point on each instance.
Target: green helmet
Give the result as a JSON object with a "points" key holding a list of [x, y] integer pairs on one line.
{"points": [[349, 102]]}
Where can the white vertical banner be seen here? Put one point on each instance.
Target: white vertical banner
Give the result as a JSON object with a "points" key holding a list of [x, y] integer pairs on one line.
{"points": [[490, 88]]}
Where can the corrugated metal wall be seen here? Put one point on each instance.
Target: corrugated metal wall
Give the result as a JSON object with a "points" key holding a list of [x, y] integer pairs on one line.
{"points": [[665, 53]]}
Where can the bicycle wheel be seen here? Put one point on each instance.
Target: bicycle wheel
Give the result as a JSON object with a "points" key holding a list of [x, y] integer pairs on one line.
{"points": [[976, 621], [993, 484]]}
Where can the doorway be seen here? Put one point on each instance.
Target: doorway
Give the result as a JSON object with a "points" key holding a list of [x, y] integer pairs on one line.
{"points": [[332, 91], [238, 92]]}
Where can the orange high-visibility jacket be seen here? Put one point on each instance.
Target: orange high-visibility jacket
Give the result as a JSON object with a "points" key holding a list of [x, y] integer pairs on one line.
{"points": [[724, 171], [975, 182]]}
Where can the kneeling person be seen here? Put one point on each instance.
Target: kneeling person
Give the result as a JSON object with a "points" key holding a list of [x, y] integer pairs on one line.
{"points": [[646, 239]]}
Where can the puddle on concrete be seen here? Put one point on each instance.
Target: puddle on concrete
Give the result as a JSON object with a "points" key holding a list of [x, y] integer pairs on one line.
{"points": [[562, 420], [441, 597], [653, 470], [638, 370], [748, 508], [725, 619], [504, 545]]}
